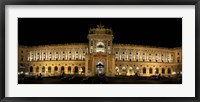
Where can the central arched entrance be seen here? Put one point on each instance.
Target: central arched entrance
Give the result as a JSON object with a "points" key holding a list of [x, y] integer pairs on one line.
{"points": [[100, 70]]}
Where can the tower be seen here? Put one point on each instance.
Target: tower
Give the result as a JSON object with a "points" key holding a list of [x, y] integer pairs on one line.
{"points": [[101, 60], [100, 39]]}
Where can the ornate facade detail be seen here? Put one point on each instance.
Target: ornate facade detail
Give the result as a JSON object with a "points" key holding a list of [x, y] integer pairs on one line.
{"points": [[99, 56]]}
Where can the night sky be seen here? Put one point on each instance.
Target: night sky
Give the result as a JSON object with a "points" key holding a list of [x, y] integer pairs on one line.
{"points": [[161, 32]]}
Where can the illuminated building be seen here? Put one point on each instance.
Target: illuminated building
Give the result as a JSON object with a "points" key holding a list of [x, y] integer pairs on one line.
{"points": [[99, 57]]}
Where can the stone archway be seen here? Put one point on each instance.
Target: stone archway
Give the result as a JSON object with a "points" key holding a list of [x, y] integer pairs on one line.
{"points": [[75, 70], [100, 69], [137, 71]]}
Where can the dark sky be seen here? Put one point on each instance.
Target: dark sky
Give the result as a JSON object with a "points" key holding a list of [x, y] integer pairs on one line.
{"points": [[163, 32]]}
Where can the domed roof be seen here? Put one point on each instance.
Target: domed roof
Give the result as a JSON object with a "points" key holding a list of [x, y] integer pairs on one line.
{"points": [[100, 29]]}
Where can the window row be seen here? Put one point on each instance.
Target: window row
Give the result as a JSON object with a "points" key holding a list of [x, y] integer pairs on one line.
{"points": [[143, 60], [55, 69], [144, 70]]}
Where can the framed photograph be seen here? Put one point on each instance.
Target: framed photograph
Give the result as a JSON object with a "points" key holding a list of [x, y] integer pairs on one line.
{"points": [[99, 50]]}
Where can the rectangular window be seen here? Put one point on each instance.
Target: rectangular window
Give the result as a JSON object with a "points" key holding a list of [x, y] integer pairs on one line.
{"points": [[108, 43], [91, 43]]}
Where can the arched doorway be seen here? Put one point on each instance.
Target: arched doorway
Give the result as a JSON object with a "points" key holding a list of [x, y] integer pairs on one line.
{"points": [[163, 70], [130, 71], [49, 71], [144, 70], [150, 70], [83, 70], [31, 69], [69, 70], [56, 71], [76, 70], [116, 70], [100, 68], [124, 71], [62, 69], [137, 71]]}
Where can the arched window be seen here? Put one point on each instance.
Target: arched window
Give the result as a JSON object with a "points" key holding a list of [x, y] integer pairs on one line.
{"points": [[150, 70], [31, 69], [163, 70], [144, 70], [157, 70], [69, 69], [62, 69], [83, 69], [43, 69], [49, 69], [37, 69], [169, 71], [56, 69]]}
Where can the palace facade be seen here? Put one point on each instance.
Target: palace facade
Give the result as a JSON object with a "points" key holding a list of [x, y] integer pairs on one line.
{"points": [[99, 57]]}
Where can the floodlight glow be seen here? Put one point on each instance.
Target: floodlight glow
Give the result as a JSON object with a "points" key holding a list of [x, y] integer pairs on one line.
{"points": [[26, 73], [173, 73]]}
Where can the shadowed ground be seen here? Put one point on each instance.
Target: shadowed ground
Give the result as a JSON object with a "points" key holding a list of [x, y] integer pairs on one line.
{"points": [[100, 80]]}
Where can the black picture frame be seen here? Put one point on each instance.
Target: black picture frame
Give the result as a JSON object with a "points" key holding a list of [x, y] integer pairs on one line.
{"points": [[3, 3]]}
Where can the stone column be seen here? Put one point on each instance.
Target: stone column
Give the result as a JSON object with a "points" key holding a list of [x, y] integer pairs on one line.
{"points": [[46, 54], [53, 55], [40, 55], [120, 56], [34, 55], [147, 71], [86, 65], [66, 54], [59, 54], [107, 65], [113, 65]]}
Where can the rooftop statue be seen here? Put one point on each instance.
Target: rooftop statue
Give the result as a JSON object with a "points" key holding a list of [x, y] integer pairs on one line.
{"points": [[100, 29]]}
